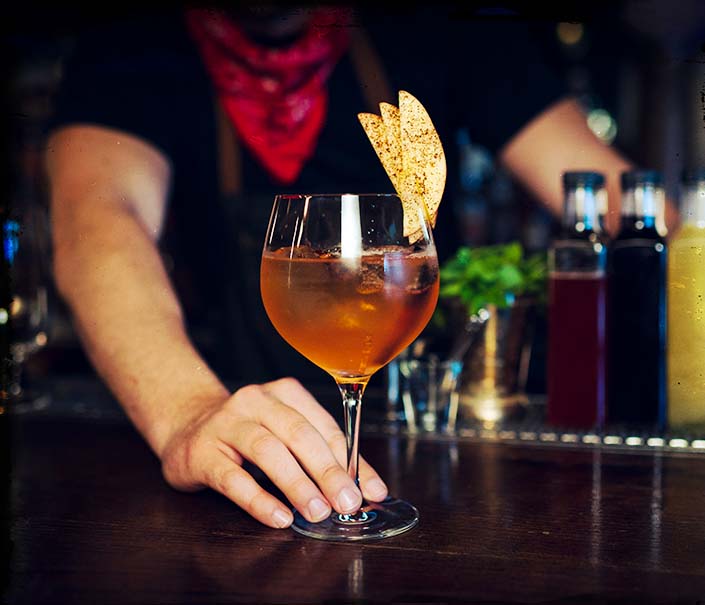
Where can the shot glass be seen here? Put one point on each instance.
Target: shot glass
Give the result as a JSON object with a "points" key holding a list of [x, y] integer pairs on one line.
{"points": [[429, 393]]}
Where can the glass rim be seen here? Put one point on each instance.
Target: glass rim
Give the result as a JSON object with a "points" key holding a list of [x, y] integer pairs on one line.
{"points": [[304, 196]]}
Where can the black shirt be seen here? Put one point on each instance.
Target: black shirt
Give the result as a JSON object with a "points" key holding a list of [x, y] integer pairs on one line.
{"points": [[144, 75]]}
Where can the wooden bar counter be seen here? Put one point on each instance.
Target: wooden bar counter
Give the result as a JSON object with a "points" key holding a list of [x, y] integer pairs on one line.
{"points": [[92, 521]]}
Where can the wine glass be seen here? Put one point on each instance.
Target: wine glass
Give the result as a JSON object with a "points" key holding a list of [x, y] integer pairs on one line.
{"points": [[344, 286], [24, 308]]}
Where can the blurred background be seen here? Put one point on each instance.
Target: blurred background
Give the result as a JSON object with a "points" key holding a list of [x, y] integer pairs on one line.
{"points": [[637, 66]]}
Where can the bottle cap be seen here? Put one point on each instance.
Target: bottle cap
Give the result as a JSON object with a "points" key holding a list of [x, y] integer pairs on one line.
{"points": [[639, 178], [592, 180]]}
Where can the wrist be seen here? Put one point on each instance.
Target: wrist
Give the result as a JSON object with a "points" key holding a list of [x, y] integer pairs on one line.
{"points": [[182, 416]]}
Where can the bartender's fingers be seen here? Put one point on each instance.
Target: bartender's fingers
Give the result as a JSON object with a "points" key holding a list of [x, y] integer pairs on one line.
{"points": [[312, 451], [277, 460], [373, 488], [291, 392], [235, 483]]}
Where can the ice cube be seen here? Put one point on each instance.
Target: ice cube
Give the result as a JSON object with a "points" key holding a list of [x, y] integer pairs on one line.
{"points": [[423, 277], [371, 277]]}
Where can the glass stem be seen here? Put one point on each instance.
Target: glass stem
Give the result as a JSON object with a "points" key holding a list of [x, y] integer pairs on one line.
{"points": [[352, 400]]}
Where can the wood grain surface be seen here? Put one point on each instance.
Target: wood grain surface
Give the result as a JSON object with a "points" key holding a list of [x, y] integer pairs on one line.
{"points": [[92, 521]]}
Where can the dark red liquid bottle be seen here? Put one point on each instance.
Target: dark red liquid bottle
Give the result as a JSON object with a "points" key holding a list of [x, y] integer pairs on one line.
{"points": [[577, 311]]}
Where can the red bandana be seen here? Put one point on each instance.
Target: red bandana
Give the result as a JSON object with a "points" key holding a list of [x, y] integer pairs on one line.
{"points": [[275, 97]]}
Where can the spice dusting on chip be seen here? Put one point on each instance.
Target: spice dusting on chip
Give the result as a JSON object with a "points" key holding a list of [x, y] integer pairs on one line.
{"points": [[407, 144]]}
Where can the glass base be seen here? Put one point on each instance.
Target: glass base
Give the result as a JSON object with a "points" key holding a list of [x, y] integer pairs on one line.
{"points": [[374, 521]]}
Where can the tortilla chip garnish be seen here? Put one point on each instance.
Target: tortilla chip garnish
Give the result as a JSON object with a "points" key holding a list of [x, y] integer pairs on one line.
{"points": [[407, 144], [390, 157]]}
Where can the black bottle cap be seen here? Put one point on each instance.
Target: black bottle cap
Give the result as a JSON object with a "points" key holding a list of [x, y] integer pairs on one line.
{"points": [[693, 175], [593, 180], [639, 178]]}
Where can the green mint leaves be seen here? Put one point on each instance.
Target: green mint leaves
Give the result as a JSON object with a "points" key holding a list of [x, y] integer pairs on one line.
{"points": [[493, 275]]}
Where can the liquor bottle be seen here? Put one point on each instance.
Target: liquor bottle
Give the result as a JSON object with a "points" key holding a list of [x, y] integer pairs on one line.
{"points": [[636, 310], [6, 372], [577, 307], [685, 357]]}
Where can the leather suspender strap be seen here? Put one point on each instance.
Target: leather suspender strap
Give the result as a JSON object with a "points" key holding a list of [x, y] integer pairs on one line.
{"points": [[229, 158], [375, 88], [370, 71]]}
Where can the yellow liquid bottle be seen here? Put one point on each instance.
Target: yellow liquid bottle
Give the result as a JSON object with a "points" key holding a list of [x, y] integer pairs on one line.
{"points": [[685, 355]]}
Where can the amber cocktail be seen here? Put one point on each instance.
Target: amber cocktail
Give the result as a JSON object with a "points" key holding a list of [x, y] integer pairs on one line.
{"points": [[345, 287]]}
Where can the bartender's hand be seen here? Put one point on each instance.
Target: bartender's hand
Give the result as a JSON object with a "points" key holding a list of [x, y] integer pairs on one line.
{"points": [[283, 430]]}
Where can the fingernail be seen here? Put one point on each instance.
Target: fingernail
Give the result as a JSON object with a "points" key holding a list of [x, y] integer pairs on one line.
{"points": [[282, 518], [376, 488], [348, 499], [317, 509]]}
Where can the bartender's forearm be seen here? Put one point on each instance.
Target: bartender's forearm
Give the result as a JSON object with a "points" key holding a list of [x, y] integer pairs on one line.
{"points": [[108, 193], [559, 140], [129, 319]]}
